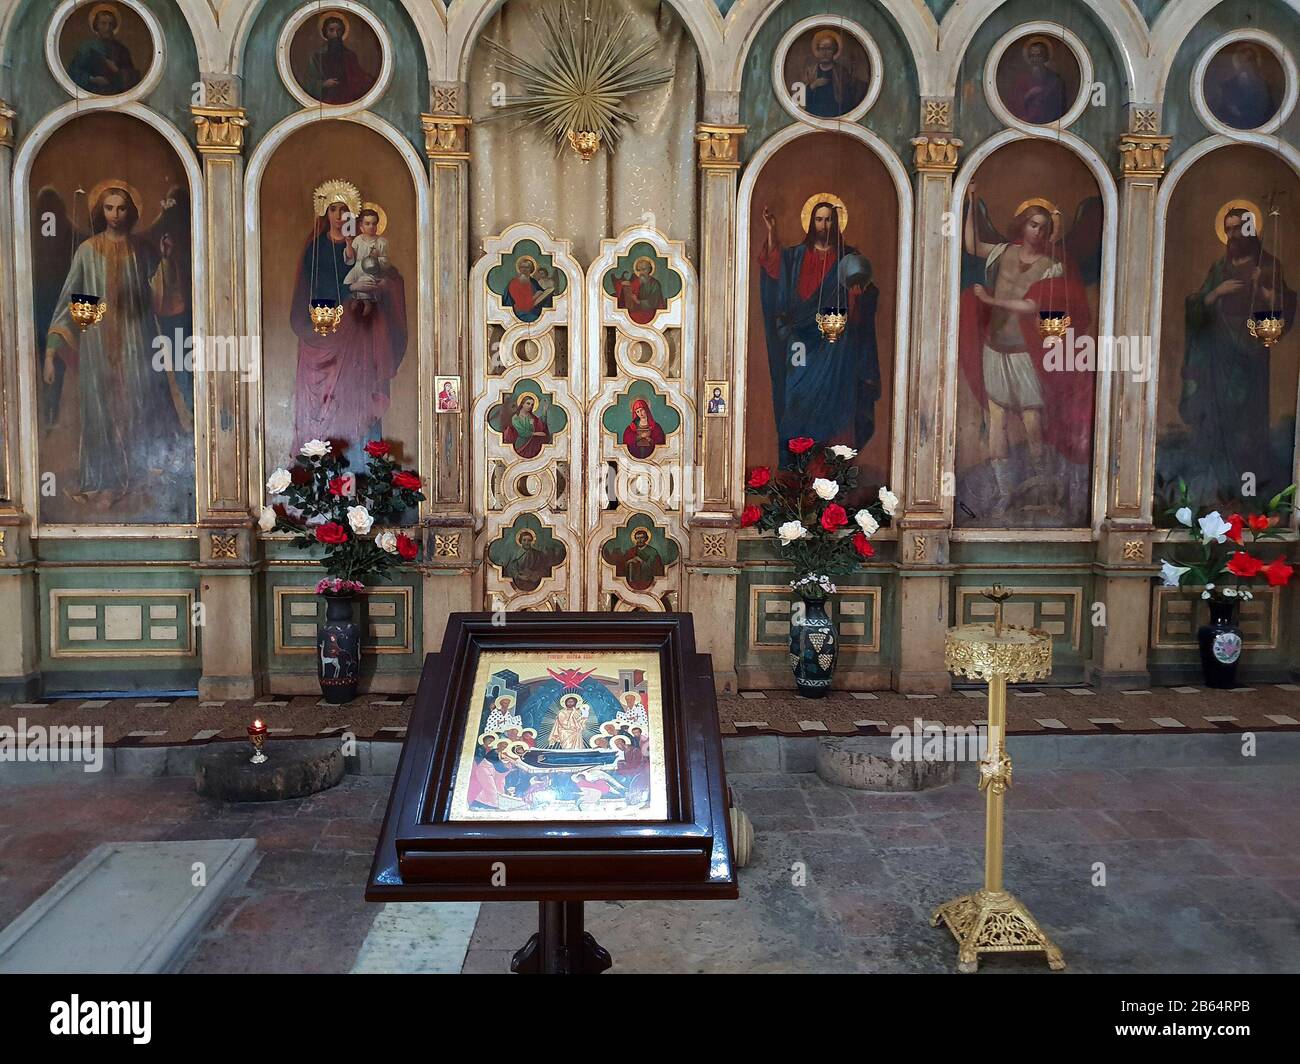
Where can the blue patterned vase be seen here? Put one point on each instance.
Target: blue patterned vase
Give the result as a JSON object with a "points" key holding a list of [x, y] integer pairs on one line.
{"points": [[814, 648]]}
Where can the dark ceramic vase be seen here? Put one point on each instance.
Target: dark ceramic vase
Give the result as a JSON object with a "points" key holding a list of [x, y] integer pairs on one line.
{"points": [[814, 647], [1220, 645], [338, 650]]}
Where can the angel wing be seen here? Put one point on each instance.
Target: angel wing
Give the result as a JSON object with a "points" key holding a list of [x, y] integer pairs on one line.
{"points": [[55, 238], [972, 266], [172, 220], [1083, 241]]}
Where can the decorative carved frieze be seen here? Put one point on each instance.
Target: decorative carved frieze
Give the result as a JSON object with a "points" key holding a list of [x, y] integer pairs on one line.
{"points": [[1143, 154], [715, 544], [936, 115], [446, 545], [225, 545], [719, 146], [935, 153], [1144, 120], [1135, 550], [445, 99], [220, 130], [220, 90], [446, 136]]}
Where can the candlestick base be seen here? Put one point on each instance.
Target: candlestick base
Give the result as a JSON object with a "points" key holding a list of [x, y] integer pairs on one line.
{"points": [[258, 758], [994, 921]]}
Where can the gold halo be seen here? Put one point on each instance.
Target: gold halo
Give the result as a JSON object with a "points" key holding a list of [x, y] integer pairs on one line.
{"points": [[110, 8], [1039, 38], [1245, 204], [521, 532], [644, 258], [383, 216], [525, 258], [1058, 219], [826, 31], [805, 213], [536, 397], [114, 182], [326, 15]]}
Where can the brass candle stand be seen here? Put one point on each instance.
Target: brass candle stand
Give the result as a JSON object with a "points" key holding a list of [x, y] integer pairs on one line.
{"points": [[992, 920]]}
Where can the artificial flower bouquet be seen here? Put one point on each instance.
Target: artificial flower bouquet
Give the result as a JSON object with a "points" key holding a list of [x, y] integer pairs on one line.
{"points": [[1226, 552], [804, 507], [322, 502]]}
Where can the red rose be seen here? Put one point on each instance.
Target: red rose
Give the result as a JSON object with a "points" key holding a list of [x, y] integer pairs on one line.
{"points": [[1234, 530], [1277, 572], [750, 516], [800, 444], [834, 517], [863, 545], [1259, 522], [759, 477], [379, 449], [343, 485], [331, 532], [405, 479], [407, 548], [1243, 564]]}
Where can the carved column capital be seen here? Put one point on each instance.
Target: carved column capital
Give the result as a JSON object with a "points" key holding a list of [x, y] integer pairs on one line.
{"points": [[7, 116], [220, 130], [719, 146], [1143, 154], [446, 136], [935, 153]]}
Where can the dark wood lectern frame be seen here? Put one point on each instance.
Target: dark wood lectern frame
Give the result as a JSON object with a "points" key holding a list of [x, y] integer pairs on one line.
{"points": [[424, 856]]}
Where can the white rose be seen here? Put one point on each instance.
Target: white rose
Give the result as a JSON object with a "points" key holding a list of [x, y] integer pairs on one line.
{"points": [[888, 501], [1172, 575], [790, 531], [266, 520], [315, 449], [387, 541], [866, 522], [360, 520], [840, 451], [1184, 516], [1214, 527], [825, 489], [278, 481]]}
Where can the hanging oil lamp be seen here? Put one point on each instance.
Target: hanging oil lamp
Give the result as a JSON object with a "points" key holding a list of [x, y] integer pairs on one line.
{"points": [[586, 142], [1053, 324], [85, 309], [1267, 326], [832, 321], [326, 315]]}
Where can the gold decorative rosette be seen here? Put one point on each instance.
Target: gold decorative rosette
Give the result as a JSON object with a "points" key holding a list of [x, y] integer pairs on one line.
{"points": [[978, 652]]}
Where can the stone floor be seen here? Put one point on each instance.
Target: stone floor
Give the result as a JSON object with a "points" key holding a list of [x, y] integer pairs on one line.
{"points": [[1201, 866]]}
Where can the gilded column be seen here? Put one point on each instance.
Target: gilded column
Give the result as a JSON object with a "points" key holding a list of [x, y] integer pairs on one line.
{"points": [[229, 638], [447, 439], [926, 492], [20, 648], [1121, 635]]}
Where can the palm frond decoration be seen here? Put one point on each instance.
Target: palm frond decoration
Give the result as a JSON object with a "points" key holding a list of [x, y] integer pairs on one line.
{"points": [[576, 93]]}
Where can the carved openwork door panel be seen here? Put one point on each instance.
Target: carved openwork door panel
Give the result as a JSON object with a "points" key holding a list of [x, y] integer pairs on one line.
{"points": [[527, 306], [640, 420], [580, 384]]}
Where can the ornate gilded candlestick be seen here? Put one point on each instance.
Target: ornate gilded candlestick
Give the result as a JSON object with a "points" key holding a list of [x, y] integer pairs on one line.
{"points": [[257, 736], [992, 920]]}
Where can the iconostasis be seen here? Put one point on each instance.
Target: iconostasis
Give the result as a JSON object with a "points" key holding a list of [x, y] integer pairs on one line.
{"points": [[585, 345]]}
